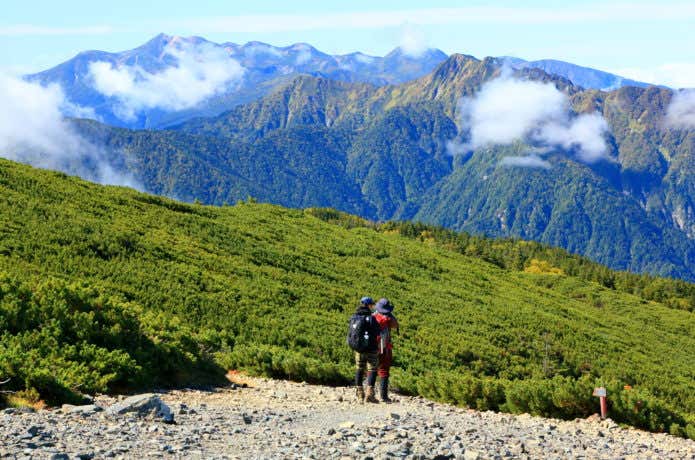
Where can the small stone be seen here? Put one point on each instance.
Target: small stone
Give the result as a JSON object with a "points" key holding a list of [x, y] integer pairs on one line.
{"points": [[471, 455], [60, 457], [347, 425], [395, 416], [331, 431], [357, 447], [247, 419], [88, 409]]}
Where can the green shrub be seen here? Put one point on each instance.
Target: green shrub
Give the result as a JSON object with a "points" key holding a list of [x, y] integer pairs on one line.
{"points": [[105, 289]]}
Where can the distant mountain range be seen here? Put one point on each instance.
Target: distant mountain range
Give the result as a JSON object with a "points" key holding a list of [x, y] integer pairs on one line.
{"points": [[265, 69], [389, 138], [586, 77], [386, 153]]}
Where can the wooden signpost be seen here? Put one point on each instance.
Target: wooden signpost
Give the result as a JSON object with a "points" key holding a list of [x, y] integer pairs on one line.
{"points": [[601, 393]]}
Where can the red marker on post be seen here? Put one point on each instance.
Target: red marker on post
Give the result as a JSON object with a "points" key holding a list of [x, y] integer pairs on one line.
{"points": [[601, 393]]}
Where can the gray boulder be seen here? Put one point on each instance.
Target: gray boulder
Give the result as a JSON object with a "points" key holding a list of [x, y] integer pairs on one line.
{"points": [[144, 405]]}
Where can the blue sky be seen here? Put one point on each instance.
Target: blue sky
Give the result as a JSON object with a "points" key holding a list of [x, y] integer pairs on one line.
{"points": [[648, 40]]}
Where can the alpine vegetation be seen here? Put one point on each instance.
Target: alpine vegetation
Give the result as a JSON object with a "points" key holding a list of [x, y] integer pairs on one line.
{"points": [[126, 290]]}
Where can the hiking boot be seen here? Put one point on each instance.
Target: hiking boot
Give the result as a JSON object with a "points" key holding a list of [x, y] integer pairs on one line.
{"points": [[384, 390], [360, 394], [369, 396]]}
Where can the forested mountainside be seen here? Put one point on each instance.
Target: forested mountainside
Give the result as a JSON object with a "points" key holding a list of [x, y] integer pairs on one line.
{"points": [[386, 153], [107, 289]]}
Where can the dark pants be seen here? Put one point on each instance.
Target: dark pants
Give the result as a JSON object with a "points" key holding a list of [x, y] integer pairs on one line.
{"points": [[368, 362], [385, 360]]}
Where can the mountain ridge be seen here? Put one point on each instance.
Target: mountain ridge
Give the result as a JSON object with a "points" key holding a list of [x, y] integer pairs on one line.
{"points": [[267, 68], [391, 159]]}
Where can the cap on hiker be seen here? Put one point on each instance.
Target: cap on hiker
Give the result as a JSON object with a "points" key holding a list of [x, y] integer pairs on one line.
{"points": [[384, 306], [367, 301]]}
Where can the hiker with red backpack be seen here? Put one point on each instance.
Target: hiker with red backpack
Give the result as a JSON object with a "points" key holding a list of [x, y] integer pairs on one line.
{"points": [[387, 321], [363, 331]]}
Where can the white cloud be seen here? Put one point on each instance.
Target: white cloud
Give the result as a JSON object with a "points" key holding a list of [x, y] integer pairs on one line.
{"points": [[585, 132], [525, 161], [506, 110], [19, 30], [261, 48], [412, 42], [579, 14], [33, 131], [201, 71], [363, 58], [675, 74], [454, 148], [681, 110], [303, 57], [30, 117]]}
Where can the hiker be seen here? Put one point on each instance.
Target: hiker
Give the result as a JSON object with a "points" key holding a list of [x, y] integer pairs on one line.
{"points": [[362, 338], [387, 321]]}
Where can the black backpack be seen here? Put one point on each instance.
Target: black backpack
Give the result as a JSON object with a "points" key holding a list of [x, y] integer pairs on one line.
{"points": [[362, 333]]}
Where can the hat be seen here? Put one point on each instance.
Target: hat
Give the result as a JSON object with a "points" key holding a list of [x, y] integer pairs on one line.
{"points": [[384, 306], [367, 301]]}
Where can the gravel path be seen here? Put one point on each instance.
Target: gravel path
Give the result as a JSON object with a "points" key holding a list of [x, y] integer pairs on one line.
{"points": [[277, 419]]}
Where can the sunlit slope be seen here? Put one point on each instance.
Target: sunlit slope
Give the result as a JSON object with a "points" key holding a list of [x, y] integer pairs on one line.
{"points": [[106, 288]]}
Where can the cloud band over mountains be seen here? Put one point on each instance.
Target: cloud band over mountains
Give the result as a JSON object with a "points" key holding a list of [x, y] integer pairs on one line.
{"points": [[201, 71], [681, 110], [507, 110], [33, 130]]}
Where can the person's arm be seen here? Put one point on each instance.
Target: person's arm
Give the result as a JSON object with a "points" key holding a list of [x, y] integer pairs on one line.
{"points": [[394, 323]]}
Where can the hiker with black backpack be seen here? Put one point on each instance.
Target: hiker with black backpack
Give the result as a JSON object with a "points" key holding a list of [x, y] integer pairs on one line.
{"points": [[363, 330]]}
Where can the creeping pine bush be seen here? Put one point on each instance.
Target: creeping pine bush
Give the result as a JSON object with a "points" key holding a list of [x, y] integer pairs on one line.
{"points": [[279, 362], [61, 340], [107, 289]]}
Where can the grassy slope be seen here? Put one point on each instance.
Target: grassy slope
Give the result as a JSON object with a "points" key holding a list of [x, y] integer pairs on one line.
{"points": [[270, 289]]}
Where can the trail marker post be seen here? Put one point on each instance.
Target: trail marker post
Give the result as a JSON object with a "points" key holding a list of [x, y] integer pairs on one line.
{"points": [[601, 393]]}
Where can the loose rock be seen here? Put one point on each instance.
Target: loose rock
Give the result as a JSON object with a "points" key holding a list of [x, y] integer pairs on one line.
{"points": [[274, 419], [143, 405]]}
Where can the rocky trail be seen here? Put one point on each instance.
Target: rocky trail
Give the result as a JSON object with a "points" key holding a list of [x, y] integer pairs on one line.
{"points": [[278, 419]]}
